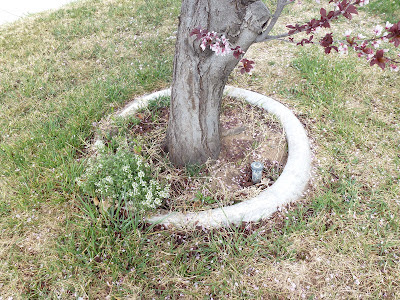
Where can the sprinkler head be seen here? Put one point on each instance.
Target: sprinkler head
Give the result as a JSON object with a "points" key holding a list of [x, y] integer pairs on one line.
{"points": [[256, 171]]}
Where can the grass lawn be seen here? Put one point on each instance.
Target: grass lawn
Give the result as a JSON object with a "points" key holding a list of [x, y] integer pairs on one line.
{"points": [[62, 71]]}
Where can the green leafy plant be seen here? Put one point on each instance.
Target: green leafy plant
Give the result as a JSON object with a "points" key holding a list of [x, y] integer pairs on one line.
{"points": [[205, 199], [194, 170], [122, 181]]}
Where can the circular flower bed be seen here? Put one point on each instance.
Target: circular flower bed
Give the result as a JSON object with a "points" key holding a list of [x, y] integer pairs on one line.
{"points": [[287, 188]]}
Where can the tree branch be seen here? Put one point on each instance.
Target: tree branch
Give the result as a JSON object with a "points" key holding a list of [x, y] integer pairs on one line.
{"points": [[280, 5], [275, 37], [307, 27]]}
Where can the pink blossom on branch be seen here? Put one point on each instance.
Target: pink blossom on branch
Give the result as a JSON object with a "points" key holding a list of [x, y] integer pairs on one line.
{"points": [[343, 49], [376, 43], [363, 2], [388, 25], [347, 8], [378, 30], [220, 45], [344, 7], [360, 36], [394, 68], [379, 57], [210, 39]]}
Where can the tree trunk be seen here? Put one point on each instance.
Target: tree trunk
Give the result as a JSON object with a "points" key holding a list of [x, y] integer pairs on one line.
{"points": [[199, 77]]}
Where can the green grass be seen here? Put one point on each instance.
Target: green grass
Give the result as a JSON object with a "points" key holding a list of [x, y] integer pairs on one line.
{"points": [[62, 71], [389, 10], [96, 75]]}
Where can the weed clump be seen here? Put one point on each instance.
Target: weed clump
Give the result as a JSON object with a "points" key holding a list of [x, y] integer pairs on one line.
{"points": [[121, 180]]}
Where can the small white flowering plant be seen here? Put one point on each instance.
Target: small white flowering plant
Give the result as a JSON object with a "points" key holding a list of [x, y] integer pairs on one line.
{"points": [[121, 181]]}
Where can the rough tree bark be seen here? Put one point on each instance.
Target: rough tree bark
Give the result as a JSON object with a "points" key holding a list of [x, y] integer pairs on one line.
{"points": [[199, 77]]}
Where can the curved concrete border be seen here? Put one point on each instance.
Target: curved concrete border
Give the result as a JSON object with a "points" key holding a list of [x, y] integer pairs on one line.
{"points": [[289, 186]]}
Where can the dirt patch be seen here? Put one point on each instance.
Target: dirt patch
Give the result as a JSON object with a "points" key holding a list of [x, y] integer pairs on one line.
{"points": [[248, 134]]}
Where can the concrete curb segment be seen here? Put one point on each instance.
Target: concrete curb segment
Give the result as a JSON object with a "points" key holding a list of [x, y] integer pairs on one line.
{"points": [[288, 188]]}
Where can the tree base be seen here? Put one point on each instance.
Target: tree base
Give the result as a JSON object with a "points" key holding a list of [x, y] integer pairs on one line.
{"points": [[288, 188]]}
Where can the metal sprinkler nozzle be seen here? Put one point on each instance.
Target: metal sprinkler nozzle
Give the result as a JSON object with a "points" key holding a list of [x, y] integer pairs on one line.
{"points": [[256, 171]]}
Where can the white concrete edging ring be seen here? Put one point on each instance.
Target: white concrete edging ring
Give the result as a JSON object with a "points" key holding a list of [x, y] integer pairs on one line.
{"points": [[288, 188]]}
